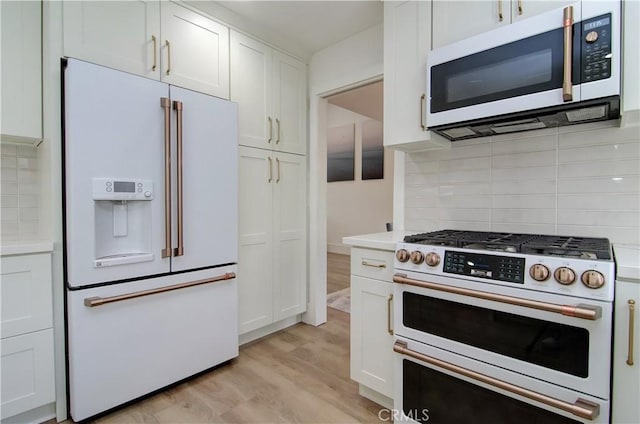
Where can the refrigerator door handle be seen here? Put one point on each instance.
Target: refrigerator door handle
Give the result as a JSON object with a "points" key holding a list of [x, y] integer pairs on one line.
{"points": [[177, 106], [165, 103], [92, 302]]}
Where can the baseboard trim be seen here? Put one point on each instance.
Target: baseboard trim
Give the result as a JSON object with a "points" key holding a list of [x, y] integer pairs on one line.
{"points": [[269, 329], [338, 248], [377, 397]]}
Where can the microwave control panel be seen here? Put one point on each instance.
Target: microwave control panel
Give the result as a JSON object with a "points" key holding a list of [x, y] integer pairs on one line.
{"points": [[596, 48]]}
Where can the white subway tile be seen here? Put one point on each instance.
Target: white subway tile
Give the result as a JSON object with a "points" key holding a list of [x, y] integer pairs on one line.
{"points": [[630, 184], [603, 201], [465, 225], [420, 201], [508, 227], [8, 188], [9, 201], [540, 173], [468, 201], [9, 228], [524, 216], [27, 152], [28, 214], [461, 189], [525, 144], [28, 188], [421, 179], [524, 187], [9, 175], [457, 165], [467, 215], [589, 127], [523, 201], [483, 175], [8, 150], [28, 228], [9, 162], [461, 150], [28, 201], [598, 136], [594, 154], [602, 218], [27, 176], [528, 159], [622, 235], [27, 163], [421, 213], [420, 225], [9, 214], [601, 168]]}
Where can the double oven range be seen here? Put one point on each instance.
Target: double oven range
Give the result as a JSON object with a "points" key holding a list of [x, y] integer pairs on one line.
{"points": [[501, 328]]}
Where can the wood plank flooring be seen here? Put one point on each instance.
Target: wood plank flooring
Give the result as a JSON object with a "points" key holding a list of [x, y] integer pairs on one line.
{"points": [[298, 375]]}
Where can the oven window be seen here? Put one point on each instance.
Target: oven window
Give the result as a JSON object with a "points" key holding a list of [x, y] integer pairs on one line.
{"points": [[434, 397], [556, 346]]}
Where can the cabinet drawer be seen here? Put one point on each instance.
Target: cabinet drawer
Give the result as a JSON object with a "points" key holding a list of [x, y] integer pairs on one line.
{"points": [[372, 263], [26, 294], [27, 372]]}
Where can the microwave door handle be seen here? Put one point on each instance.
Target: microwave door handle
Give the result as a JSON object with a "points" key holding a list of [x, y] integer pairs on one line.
{"points": [[567, 86]]}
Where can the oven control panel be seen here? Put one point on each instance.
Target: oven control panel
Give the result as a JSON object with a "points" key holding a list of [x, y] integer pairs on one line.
{"points": [[501, 268]]}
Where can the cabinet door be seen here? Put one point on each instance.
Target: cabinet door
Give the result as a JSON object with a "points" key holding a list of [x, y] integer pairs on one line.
{"points": [[255, 260], [289, 233], [289, 104], [21, 69], [251, 64], [406, 42], [626, 376], [195, 51], [371, 334], [456, 20], [117, 34], [522, 9], [28, 379]]}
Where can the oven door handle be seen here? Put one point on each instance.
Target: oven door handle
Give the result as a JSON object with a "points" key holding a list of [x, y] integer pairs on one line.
{"points": [[580, 311], [581, 407]]}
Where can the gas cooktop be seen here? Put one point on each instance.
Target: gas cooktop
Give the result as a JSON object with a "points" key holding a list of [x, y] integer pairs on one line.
{"points": [[536, 244]]}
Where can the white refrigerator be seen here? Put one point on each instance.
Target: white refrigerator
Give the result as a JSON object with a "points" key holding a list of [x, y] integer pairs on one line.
{"points": [[150, 225]]}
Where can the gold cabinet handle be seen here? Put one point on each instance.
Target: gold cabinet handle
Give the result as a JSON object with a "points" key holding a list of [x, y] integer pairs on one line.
{"points": [[389, 303], [632, 308], [155, 53], [581, 407], [567, 86], [365, 263], [581, 311], [500, 16], [278, 169], [270, 170], [278, 132], [168, 56], [519, 7], [270, 129], [423, 102], [177, 106], [165, 103], [92, 302]]}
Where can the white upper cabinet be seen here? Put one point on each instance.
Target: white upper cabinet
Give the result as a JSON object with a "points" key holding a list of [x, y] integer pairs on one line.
{"points": [[21, 71], [270, 88], [456, 20], [192, 51]]}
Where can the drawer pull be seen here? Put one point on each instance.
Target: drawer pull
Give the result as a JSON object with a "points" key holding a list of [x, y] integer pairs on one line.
{"points": [[365, 263], [389, 303], [632, 307], [97, 301]]}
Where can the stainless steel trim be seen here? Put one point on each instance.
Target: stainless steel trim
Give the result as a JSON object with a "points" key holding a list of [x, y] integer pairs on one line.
{"points": [[500, 15], [632, 308], [278, 132], [567, 86], [270, 169], [92, 302], [168, 56], [179, 251], [389, 303], [155, 52], [580, 311], [581, 407], [422, 108], [165, 103], [278, 169], [365, 263], [270, 129]]}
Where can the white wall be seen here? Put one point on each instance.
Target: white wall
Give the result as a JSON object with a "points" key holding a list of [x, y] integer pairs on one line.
{"points": [[581, 180], [359, 206], [348, 63]]}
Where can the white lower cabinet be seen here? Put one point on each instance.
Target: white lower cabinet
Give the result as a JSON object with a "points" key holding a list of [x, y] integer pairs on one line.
{"points": [[27, 352], [626, 354], [372, 323], [272, 243]]}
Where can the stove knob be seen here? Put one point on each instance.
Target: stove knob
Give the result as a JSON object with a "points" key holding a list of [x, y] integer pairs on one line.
{"points": [[564, 275], [432, 259], [402, 255], [592, 279], [539, 272], [417, 257]]}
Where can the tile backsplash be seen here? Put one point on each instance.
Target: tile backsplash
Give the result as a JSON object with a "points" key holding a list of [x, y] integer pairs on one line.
{"points": [[580, 180], [20, 192]]}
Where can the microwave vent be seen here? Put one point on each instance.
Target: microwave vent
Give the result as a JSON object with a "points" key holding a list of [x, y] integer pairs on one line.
{"points": [[460, 132], [516, 127], [587, 113]]}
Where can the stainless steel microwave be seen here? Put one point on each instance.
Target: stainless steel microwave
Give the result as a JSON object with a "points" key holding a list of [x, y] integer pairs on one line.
{"points": [[558, 68]]}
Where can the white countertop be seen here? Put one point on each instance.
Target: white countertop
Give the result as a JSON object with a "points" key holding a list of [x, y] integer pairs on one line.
{"points": [[23, 247], [627, 261], [381, 241]]}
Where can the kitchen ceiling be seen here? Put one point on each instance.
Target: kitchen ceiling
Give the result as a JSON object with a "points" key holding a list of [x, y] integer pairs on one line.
{"points": [[314, 25]]}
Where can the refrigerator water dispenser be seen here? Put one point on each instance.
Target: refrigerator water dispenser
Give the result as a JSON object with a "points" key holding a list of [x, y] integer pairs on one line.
{"points": [[122, 221]]}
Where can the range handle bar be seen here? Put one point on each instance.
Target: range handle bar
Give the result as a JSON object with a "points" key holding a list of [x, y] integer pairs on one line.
{"points": [[92, 302], [581, 407], [580, 311]]}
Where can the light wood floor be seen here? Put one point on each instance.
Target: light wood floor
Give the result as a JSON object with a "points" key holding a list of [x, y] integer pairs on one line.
{"points": [[298, 375], [338, 272]]}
